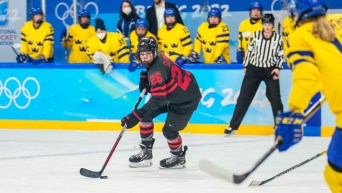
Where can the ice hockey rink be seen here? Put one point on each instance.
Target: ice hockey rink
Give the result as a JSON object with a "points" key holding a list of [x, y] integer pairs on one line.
{"points": [[49, 161]]}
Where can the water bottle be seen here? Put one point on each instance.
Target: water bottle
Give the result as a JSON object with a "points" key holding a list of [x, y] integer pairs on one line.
{"points": [[3, 12]]}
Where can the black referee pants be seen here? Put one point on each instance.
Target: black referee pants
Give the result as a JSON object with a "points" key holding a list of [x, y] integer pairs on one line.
{"points": [[250, 84]]}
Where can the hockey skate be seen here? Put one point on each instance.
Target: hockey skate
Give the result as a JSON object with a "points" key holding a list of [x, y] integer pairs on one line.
{"points": [[176, 161], [144, 158], [229, 132]]}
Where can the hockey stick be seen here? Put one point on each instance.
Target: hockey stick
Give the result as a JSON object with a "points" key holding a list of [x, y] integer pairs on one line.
{"points": [[66, 43], [94, 174], [217, 171], [14, 50], [259, 183]]}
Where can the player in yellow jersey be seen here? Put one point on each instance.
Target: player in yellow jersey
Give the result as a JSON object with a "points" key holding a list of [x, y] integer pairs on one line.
{"points": [[213, 39], [76, 38], [141, 30], [107, 47], [36, 39], [247, 28], [315, 53], [288, 28], [174, 38]]}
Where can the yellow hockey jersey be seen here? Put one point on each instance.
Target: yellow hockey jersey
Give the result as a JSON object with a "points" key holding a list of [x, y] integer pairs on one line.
{"points": [[77, 42], [175, 42], [288, 28], [114, 46], [317, 66], [135, 40], [246, 29], [214, 42], [37, 42]]}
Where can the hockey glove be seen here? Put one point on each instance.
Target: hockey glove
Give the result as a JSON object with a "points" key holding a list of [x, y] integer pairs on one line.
{"points": [[335, 149], [62, 34], [221, 60], [194, 56], [131, 119], [21, 58], [289, 129], [181, 60], [239, 56], [134, 63], [143, 83], [39, 60]]}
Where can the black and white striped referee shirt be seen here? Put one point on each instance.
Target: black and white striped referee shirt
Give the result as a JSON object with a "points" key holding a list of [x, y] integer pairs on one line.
{"points": [[265, 52]]}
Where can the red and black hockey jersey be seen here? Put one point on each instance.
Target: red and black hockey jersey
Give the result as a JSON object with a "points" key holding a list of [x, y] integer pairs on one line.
{"points": [[172, 86]]}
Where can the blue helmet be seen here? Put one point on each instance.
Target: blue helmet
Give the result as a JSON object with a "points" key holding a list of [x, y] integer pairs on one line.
{"points": [[83, 13], [255, 5], [141, 23], [215, 12], [35, 11], [169, 11], [307, 8]]}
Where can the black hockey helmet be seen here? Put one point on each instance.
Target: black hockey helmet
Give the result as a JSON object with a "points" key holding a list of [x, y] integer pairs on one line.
{"points": [[148, 44], [267, 18]]}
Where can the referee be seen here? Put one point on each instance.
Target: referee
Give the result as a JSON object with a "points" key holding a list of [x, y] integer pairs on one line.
{"points": [[262, 62]]}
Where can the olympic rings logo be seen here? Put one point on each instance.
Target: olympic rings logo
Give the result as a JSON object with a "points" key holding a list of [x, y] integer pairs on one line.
{"points": [[69, 11], [5, 92], [283, 8]]}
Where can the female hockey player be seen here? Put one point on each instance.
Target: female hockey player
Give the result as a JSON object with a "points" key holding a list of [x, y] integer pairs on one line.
{"points": [[315, 53]]}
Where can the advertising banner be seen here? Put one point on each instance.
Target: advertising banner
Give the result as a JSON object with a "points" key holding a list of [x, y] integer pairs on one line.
{"points": [[81, 94], [12, 17]]}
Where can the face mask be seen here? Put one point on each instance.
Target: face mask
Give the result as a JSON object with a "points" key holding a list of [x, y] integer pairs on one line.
{"points": [[170, 25], [127, 10], [101, 35], [84, 25]]}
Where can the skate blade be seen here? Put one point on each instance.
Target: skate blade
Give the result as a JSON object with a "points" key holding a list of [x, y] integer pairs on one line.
{"points": [[174, 167], [230, 135], [143, 164]]}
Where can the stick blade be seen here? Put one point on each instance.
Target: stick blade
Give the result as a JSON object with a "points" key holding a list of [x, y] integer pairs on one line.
{"points": [[215, 170], [255, 183], [89, 173], [17, 45]]}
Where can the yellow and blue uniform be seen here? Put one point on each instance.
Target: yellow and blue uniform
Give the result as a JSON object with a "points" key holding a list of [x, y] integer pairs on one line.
{"points": [[175, 42], [135, 40], [77, 42], [288, 28], [115, 46], [37, 42], [317, 66], [246, 29], [214, 42]]}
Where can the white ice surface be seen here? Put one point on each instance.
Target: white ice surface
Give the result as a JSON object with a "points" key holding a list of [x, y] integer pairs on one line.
{"points": [[40, 161]]}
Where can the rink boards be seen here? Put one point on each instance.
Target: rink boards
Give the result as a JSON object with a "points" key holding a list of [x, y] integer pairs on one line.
{"points": [[79, 97]]}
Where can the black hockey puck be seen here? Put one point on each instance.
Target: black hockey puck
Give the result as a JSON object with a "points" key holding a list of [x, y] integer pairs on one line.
{"points": [[103, 177]]}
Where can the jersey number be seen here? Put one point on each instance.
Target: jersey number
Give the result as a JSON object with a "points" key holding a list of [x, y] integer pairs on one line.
{"points": [[156, 78], [183, 80], [224, 28]]}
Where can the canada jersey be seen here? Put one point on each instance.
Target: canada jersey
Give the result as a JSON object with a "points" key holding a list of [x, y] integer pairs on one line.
{"points": [[317, 66], [214, 42], [246, 29], [135, 40], [77, 41], [37, 42], [175, 42], [171, 85], [115, 46]]}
